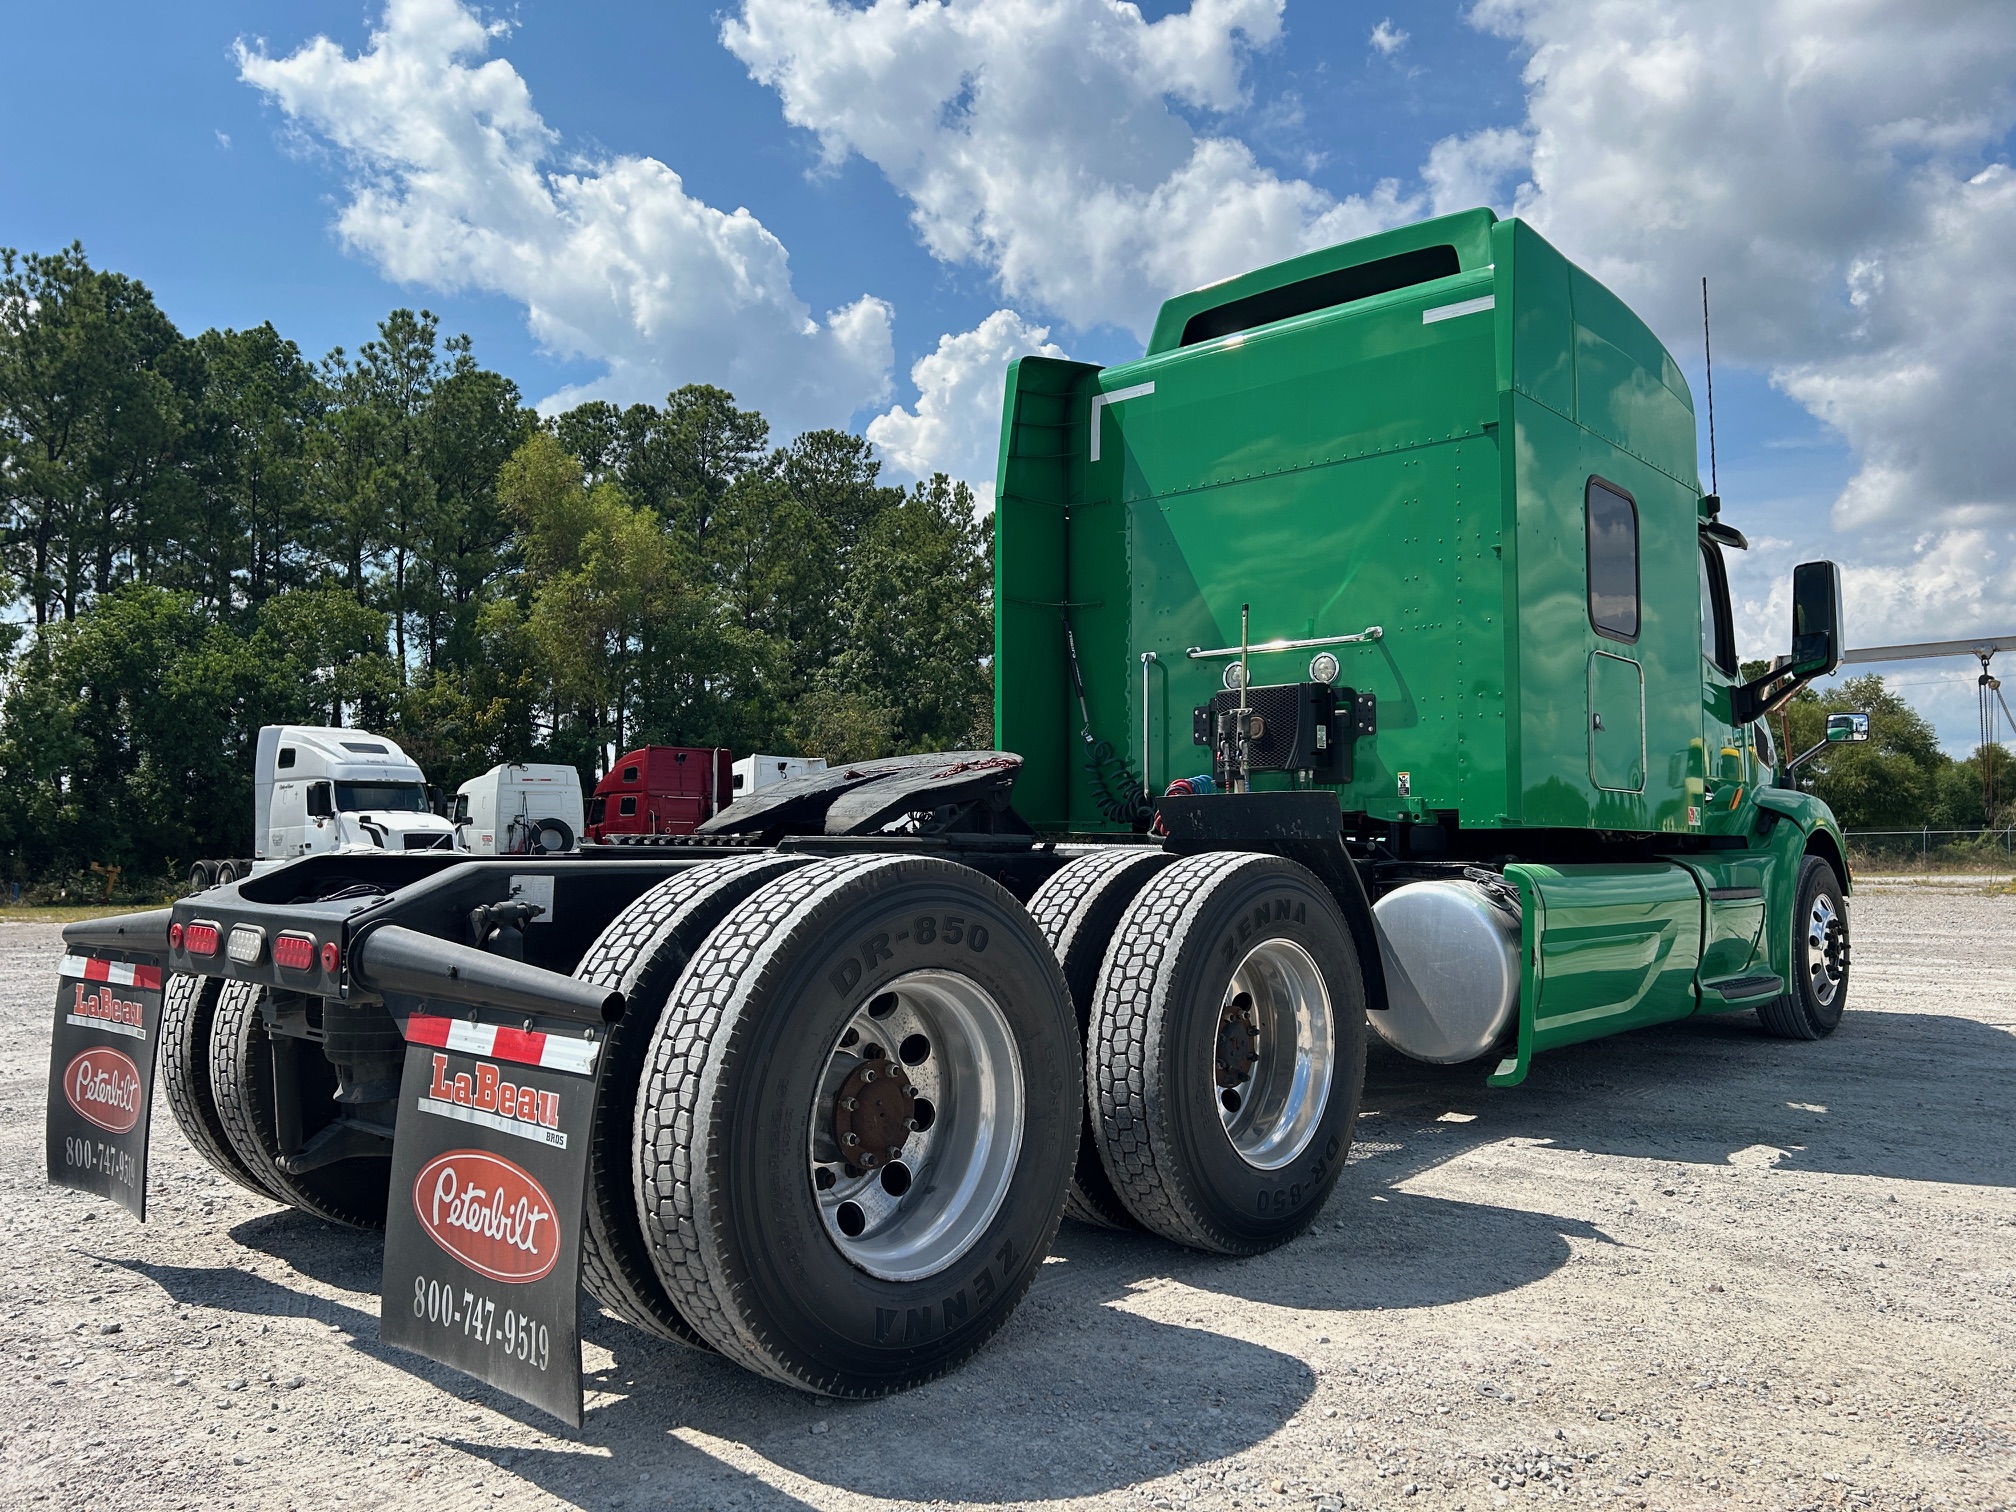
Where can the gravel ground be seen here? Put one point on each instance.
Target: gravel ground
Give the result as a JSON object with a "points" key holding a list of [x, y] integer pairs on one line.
{"points": [[1691, 1267]]}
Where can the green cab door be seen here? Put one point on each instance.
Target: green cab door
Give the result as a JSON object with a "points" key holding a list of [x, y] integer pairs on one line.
{"points": [[1616, 723]]}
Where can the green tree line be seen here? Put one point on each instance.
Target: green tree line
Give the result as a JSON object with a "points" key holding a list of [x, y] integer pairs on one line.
{"points": [[201, 535], [1899, 779]]}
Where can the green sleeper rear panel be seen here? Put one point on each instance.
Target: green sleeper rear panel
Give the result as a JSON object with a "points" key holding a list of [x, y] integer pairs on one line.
{"points": [[1415, 460]]}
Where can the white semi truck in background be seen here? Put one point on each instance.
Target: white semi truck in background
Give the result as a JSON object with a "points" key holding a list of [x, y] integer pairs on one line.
{"points": [[318, 789], [519, 809]]}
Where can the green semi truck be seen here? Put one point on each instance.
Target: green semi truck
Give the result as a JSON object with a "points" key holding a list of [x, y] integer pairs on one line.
{"points": [[1364, 664]]}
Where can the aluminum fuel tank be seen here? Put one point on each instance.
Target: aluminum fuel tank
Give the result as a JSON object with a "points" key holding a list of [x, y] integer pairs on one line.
{"points": [[1452, 970]]}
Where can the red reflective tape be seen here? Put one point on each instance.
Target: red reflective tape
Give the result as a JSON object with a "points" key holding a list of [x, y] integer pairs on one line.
{"points": [[96, 970], [147, 976], [520, 1045], [428, 1029]]}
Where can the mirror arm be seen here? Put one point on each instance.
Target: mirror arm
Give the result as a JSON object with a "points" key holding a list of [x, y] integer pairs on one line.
{"points": [[1750, 700], [1805, 756]]}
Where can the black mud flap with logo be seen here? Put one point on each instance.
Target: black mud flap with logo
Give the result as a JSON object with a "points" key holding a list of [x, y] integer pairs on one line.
{"points": [[489, 1184], [101, 1076]]}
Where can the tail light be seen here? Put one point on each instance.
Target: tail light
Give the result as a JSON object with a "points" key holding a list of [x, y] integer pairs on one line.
{"points": [[332, 958], [201, 939], [174, 936], [294, 952]]}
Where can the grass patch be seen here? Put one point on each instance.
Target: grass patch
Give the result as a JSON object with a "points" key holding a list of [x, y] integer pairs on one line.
{"points": [[70, 913]]}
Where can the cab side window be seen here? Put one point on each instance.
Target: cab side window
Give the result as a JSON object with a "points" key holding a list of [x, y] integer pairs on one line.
{"points": [[1613, 561], [626, 808], [1718, 637]]}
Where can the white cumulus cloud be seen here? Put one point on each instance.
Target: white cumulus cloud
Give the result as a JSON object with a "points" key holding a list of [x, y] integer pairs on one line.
{"points": [[1387, 38], [455, 181], [1051, 143], [1834, 167], [956, 426]]}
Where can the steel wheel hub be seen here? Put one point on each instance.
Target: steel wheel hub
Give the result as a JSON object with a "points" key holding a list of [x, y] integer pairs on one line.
{"points": [[1826, 949], [1275, 1054], [917, 1125]]}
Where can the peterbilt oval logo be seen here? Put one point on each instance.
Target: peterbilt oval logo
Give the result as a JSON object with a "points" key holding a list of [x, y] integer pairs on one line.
{"points": [[104, 1086], [489, 1214]]}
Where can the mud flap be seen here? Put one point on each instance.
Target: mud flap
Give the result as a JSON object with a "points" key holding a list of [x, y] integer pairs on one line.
{"points": [[489, 1183], [101, 1076]]}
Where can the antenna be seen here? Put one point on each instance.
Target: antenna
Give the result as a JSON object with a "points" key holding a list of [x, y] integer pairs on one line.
{"points": [[1708, 351]]}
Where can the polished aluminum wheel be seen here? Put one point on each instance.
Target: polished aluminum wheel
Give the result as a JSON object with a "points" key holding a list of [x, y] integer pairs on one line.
{"points": [[917, 1125], [1826, 950], [1276, 1054]]}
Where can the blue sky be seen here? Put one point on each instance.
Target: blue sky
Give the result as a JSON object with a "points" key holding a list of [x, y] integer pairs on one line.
{"points": [[962, 183]]}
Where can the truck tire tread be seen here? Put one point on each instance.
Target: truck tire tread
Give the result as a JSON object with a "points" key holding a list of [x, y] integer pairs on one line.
{"points": [[241, 1082], [681, 1145], [1797, 1014], [641, 954], [1078, 911], [188, 1014], [1133, 1023]]}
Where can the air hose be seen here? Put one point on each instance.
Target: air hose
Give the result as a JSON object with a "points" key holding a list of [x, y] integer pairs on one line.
{"points": [[1106, 767]]}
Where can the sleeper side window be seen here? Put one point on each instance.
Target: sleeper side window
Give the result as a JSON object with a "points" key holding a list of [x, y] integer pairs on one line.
{"points": [[627, 808], [1613, 561]]}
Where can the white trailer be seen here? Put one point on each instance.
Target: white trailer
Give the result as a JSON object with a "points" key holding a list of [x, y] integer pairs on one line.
{"points": [[519, 808], [754, 772]]}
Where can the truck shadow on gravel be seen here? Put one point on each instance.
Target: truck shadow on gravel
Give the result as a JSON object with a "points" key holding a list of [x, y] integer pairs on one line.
{"points": [[1901, 1096]]}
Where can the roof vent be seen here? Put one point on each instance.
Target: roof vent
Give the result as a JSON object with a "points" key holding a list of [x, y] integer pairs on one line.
{"points": [[1322, 292]]}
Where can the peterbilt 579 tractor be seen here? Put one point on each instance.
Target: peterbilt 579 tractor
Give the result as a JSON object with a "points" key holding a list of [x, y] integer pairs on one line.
{"points": [[1364, 665]]}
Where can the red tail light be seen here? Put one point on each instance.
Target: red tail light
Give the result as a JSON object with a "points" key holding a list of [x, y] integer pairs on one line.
{"points": [[174, 936], [331, 958], [201, 939], [294, 952]]}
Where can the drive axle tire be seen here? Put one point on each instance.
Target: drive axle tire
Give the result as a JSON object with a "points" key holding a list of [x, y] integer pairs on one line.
{"points": [[640, 955], [1078, 910], [858, 1123], [350, 1192], [202, 875], [1813, 1002], [1227, 1052], [188, 1013]]}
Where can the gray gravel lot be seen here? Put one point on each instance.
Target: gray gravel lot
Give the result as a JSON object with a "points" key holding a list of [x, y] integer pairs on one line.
{"points": [[1691, 1267]]}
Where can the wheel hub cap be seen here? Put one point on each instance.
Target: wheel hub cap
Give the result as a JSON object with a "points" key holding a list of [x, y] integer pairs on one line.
{"points": [[1276, 1054], [872, 1113], [1826, 949], [917, 1125]]}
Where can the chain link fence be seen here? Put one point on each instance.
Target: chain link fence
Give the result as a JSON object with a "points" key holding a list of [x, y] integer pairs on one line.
{"points": [[1966, 848]]}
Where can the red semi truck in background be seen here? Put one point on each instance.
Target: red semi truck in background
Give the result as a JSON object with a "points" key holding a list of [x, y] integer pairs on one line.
{"points": [[661, 790]]}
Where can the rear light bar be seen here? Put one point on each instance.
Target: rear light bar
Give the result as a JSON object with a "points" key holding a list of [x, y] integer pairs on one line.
{"points": [[294, 952], [200, 939]]}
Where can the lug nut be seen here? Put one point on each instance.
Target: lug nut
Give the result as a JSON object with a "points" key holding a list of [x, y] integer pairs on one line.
{"points": [[850, 1103], [868, 1161], [867, 1076], [850, 1139], [910, 1124]]}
